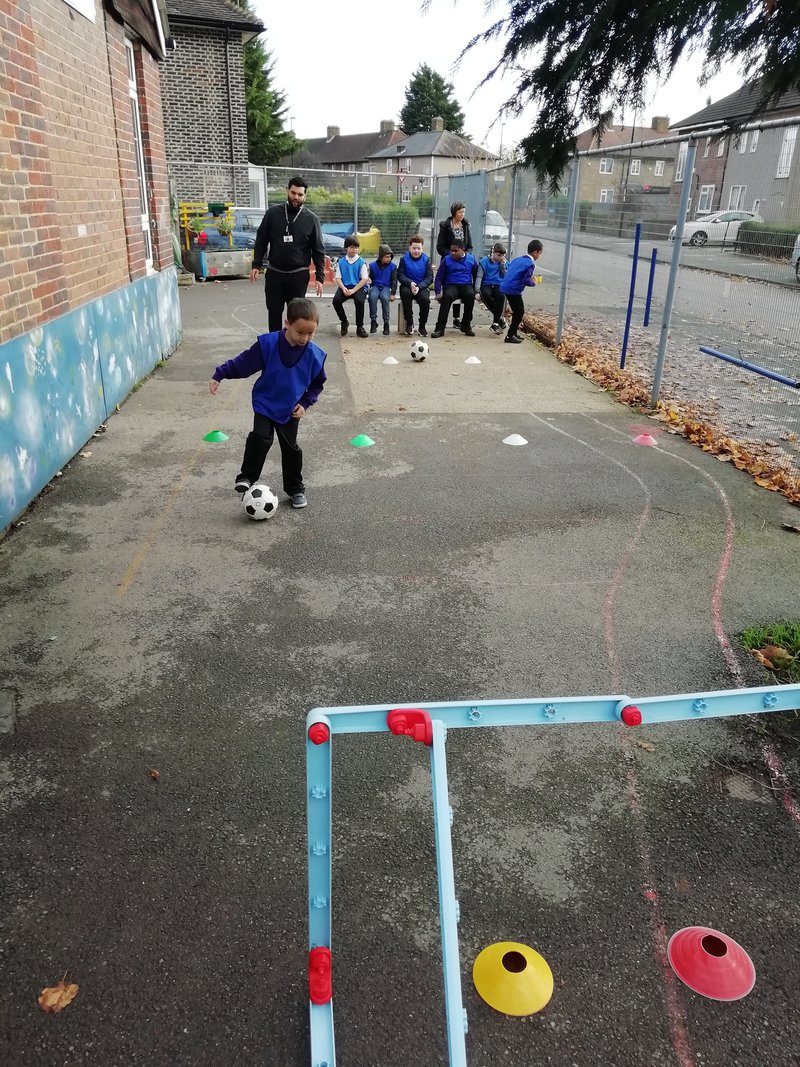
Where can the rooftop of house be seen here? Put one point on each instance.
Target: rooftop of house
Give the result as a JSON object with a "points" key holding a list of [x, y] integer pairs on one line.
{"points": [[436, 143], [220, 13], [617, 136], [347, 148], [738, 107]]}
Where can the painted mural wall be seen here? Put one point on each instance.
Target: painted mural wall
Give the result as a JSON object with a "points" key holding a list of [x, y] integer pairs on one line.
{"points": [[59, 382]]}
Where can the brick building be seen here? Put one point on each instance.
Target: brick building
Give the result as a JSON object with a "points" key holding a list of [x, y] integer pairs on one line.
{"points": [[88, 296], [205, 120]]}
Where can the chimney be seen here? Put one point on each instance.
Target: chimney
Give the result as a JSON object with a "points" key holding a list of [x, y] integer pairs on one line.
{"points": [[660, 123], [333, 131], [437, 124], [387, 125]]}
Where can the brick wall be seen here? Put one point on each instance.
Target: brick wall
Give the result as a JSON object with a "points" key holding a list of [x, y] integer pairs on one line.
{"points": [[68, 228], [198, 118]]}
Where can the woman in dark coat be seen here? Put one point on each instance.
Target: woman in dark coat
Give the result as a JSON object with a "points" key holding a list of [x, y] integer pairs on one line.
{"points": [[456, 228]]}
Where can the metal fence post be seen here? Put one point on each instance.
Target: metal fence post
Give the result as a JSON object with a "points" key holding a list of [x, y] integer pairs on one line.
{"points": [[434, 211], [355, 203], [573, 199], [673, 272], [512, 208]]}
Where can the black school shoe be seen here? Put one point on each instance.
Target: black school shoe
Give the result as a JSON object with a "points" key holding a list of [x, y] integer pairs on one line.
{"points": [[373, 326], [344, 329], [361, 332], [457, 323], [423, 332], [437, 333], [468, 331], [242, 484], [409, 330], [385, 328], [512, 339]]}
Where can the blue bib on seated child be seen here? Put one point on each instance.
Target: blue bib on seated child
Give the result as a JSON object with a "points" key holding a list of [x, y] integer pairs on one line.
{"points": [[415, 268], [351, 272], [278, 388]]}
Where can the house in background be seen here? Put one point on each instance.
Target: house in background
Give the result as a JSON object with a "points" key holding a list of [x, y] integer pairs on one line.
{"points": [[205, 120], [436, 152], [348, 153], [758, 170], [88, 293], [623, 176]]}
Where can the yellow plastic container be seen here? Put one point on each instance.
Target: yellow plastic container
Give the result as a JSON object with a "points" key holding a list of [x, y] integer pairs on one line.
{"points": [[369, 241]]}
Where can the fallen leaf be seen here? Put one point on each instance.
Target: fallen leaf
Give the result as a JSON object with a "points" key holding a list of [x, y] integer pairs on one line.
{"points": [[155, 775], [55, 997], [788, 526], [648, 746], [780, 656], [402, 408], [682, 885], [86, 454], [762, 659]]}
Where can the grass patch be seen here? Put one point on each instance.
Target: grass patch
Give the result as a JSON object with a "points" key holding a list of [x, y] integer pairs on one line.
{"points": [[777, 648]]}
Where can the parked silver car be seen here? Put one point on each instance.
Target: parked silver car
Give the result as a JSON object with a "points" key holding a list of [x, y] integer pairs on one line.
{"points": [[719, 228]]}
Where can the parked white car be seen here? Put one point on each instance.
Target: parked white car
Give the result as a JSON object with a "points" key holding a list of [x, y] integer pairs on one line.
{"points": [[796, 258], [721, 227], [496, 229]]}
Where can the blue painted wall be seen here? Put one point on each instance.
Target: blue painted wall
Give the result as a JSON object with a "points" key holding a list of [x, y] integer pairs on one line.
{"points": [[61, 380]]}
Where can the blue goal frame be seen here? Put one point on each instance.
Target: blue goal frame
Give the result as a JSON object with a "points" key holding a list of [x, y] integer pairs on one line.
{"points": [[428, 724]]}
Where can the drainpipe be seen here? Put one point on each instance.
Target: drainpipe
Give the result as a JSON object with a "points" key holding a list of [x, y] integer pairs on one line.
{"points": [[230, 109]]}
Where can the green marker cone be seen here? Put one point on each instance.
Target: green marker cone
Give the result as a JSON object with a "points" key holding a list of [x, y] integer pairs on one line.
{"points": [[216, 435], [362, 441]]}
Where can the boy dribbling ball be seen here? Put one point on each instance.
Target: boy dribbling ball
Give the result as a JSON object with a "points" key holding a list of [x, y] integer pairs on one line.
{"points": [[291, 371]]}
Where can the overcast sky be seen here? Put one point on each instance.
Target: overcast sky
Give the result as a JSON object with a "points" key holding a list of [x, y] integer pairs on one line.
{"points": [[348, 66]]}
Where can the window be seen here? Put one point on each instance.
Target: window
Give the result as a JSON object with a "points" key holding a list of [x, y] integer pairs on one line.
{"points": [[721, 148], [787, 151], [405, 196], [705, 203], [388, 166], [139, 149], [606, 196], [636, 166], [756, 206], [681, 164], [606, 166], [351, 168], [365, 168], [736, 197], [85, 7], [659, 168], [707, 148], [753, 140], [463, 166], [741, 143], [372, 176]]}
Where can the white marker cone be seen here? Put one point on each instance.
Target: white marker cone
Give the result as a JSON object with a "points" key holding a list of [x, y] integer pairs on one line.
{"points": [[514, 439], [390, 360], [472, 359]]}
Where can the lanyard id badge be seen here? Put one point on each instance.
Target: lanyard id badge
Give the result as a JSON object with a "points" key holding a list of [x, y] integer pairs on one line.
{"points": [[287, 237]]}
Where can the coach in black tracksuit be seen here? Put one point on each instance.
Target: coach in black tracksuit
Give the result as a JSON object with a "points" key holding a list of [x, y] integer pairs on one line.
{"points": [[290, 237]]}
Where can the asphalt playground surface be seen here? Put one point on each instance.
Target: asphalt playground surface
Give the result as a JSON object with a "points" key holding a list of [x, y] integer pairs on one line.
{"points": [[147, 625]]}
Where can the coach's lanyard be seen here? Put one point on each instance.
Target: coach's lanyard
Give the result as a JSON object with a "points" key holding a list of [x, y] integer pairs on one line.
{"points": [[294, 220]]}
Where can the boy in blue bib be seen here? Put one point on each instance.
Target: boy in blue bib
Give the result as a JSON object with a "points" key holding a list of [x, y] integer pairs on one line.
{"points": [[351, 279], [382, 286]]}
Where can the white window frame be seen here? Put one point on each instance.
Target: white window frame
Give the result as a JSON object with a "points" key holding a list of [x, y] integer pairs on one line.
{"points": [[705, 201], [606, 196], [636, 166], [83, 7], [754, 134], [707, 148], [405, 196], [141, 172], [721, 147], [659, 168], [741, 143], [351, 168], [463, 166], [787, 152], [736, 197], [389, 169], [756, 206], [680, 166], [372, 175], [606, 165]]}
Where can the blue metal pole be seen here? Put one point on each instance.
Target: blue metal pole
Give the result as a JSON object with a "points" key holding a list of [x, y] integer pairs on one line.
{"points": [[319, 829], [448, 905], [680, 223], [573, 199], [650, 281], [636, 239], [751, 366]]}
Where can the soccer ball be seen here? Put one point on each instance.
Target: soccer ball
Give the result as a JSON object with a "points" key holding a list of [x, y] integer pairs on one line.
{"points": [[260, 502], [419, 351]]}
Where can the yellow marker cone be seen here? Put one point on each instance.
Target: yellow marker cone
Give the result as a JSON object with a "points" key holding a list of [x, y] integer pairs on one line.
{"points": [[512, 978]]}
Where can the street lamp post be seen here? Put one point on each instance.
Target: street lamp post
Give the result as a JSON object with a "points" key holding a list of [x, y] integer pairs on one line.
{"points": [[500, 153]]}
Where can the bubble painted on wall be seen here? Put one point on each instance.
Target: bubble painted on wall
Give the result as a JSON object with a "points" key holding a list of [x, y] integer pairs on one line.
{"points": [[61, 380]]}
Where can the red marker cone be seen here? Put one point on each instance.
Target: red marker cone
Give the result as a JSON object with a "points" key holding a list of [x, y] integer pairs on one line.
{"points": [[644, 439], [711, 963]]}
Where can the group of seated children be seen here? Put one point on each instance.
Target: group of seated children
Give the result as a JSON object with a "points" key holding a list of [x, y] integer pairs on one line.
{"points": [[460, 277]]}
